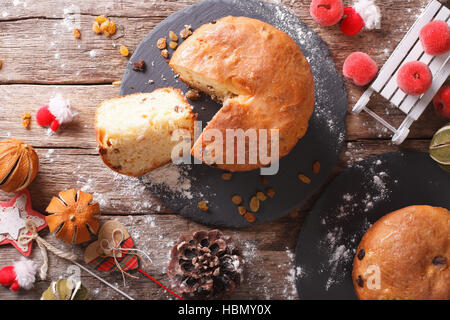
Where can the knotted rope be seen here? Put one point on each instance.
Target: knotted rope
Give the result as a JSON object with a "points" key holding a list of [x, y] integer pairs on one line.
{"points": [[32, 234], [114, 246]]}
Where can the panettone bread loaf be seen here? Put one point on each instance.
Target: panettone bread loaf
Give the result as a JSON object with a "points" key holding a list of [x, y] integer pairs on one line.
{"points": [[405, 256], [259, 74], [134, 132]]}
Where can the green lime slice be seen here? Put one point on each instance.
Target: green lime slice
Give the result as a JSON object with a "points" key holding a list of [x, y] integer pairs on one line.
{"points": [[440, 146]]}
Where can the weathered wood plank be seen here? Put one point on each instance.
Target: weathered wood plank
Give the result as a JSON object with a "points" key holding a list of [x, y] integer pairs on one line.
{"points": [[47, 44], [17, 99], [268, 251]]}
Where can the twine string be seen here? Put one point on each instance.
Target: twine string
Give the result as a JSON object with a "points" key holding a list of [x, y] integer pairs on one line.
{"points": [[114, 247], [32, 235]]}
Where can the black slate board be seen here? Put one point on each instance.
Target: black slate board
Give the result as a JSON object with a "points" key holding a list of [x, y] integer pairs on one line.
{"points": [[323, 141], [344, 212]]}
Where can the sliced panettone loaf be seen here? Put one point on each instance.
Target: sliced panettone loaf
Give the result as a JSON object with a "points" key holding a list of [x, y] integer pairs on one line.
{"points": [[134, 132], [259, 74]]}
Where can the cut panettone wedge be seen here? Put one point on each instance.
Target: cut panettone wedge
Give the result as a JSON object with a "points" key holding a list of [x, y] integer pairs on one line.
{"points": [[135, 132], [263, 80]]}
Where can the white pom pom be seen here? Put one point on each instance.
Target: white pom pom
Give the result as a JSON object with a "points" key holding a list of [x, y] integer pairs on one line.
{"points": [[25, 273], [370, 13], [60, 108]]}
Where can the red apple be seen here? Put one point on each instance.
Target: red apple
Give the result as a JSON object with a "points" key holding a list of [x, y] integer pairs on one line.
{"points": [[441, 101]]}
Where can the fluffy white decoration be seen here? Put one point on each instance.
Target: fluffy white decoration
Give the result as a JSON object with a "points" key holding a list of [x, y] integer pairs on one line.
{"points": [[25, 273], [370, 13], [60, 108]]}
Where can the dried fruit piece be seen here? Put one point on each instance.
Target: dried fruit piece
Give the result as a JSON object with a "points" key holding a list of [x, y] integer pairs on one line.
{"points": [[100, 19], [74, 215], [194, 95], [261, 196], [173, 36], [173, 45], [186, 32], [96, 27], [165, 54], [250, 217], [108, 28], [237, 200], [227, 176], [304, 179], [205, 265], [19, 165], [202, 205], [124, 51], [270, 192], [316, 167], [254, 204], [242, 210], [26, 120], [139, 66], [117, 83], [162, 43], [77, 33]]}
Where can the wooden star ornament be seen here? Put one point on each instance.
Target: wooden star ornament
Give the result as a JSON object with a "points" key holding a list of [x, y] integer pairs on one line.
{"points": [[13, 216]]}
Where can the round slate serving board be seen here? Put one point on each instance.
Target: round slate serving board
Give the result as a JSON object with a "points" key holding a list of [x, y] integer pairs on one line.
{"points": [[350, 205], [323, 141]]}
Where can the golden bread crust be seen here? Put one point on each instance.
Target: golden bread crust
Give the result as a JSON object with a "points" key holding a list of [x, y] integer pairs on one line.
{"points": [[270, 81], [411, 247]]}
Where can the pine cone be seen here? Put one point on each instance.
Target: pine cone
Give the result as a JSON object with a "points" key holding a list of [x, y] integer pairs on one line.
{"points": [[205, 265]]}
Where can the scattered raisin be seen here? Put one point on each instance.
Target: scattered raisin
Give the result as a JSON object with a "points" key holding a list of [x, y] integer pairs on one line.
{"points": [[26, 120], [173, 45], [316, 167], [237, 200], [100, 19], [360, 282], [139, 66], [254, 204], [361, 254], [124, 51], [193, 94], [77, 33], [162, 43], [165, 54], [226, 176], [173, 36], [270, 192], [304, 179], [242, 210], [203, 206], [440, 261], [96, 27], [250, 217], [294, 214], [186, 32], [261, 196]]}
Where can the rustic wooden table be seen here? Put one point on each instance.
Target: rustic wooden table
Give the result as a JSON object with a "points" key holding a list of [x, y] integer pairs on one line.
{"points": [[41, 57]]}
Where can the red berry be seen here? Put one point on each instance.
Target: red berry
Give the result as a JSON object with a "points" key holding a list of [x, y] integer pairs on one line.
{"points": [[352, 22], [414, 78], [43, 117], [441, 101], [435, 38], [360, 68], [327, 12]]}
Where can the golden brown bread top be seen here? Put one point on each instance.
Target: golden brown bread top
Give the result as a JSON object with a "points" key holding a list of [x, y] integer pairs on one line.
{"points": [[411, 247], [269, 79]]}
